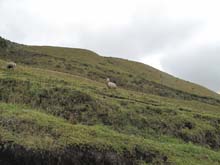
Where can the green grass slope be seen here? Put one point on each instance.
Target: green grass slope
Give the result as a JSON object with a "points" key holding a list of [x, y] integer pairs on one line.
{"points": [[85, 63], [56, 109]]}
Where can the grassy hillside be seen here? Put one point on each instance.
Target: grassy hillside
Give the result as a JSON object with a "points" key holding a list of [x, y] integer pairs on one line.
{"points": [[127, 74], [56, 109]]}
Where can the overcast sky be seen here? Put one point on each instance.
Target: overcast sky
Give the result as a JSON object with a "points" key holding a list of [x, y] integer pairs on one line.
{"points": [[181, 37]]}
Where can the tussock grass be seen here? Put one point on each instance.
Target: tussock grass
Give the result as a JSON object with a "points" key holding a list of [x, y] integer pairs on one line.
{"points": [[56, 101]]}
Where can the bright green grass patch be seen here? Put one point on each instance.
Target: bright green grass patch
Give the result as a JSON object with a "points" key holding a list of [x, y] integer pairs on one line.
{"points": [[37, 130], [129, 112]]}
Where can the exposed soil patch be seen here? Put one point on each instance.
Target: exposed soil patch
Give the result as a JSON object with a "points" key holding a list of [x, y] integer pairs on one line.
{"points": [[13, 154]]}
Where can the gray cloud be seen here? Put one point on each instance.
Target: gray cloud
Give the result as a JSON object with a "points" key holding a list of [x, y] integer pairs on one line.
{"points": [[140, 36], [200, 65], [138, 39]]}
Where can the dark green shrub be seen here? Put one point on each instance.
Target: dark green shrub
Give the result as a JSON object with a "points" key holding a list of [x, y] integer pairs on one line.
{"points": [[3, 43]]}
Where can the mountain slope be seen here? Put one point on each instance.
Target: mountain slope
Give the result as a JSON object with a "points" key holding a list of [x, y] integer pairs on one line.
{"points": [[55, 109], [127, 74]]}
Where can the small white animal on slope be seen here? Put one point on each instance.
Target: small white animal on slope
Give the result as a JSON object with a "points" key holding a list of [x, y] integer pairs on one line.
{"points": [[110, 84], [11, 65]]}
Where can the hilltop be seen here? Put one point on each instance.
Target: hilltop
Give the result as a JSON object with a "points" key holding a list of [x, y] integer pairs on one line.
{"points": [[56, 109]]}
